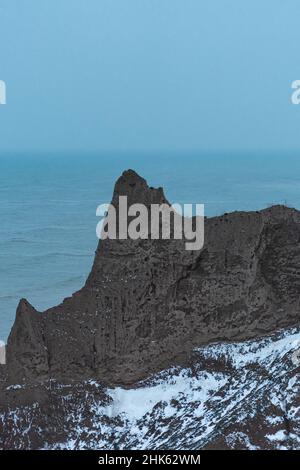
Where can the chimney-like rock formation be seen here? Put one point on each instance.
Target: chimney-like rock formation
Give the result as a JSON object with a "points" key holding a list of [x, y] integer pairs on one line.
{"points": [[147, 303]]}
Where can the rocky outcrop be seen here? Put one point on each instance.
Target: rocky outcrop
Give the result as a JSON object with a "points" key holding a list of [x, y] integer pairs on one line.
{"points": [[26, 350], [148, 303]]}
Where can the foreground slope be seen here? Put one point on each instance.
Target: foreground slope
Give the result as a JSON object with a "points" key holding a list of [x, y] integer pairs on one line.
{"points": [[236, 396]]}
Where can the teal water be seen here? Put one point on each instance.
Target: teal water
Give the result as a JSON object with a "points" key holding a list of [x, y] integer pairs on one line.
{"points": [[48, 205]]}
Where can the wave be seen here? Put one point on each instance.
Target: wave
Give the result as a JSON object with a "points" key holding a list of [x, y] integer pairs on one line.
{"points": [[7, 297], [18, 240], [63, 254], [71, 281], [50, 255]]}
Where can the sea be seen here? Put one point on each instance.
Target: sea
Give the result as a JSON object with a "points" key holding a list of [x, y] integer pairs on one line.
{"points": [[48, 209]]}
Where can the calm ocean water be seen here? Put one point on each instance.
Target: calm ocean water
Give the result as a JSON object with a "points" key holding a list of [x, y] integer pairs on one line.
{"points": [[48, 204]]}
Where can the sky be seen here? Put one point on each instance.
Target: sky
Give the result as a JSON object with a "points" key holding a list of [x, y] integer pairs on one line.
{"points": [[149, 76]]}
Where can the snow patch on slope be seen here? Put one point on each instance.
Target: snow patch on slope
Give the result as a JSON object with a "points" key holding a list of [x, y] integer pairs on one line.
{"points": [[136, 403]]}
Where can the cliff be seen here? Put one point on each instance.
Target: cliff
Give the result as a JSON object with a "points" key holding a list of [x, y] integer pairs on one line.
{"points": [[147, 303]]}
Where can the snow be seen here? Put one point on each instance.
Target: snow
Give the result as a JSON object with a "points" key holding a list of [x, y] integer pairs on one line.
{"points": [[278, 436], [136, 403], [240, 436], [241, 354], [274, 419], [15, 387]]}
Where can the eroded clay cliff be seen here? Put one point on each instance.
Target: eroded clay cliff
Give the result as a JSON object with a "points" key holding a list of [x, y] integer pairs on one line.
{"points": [[147, 303]]}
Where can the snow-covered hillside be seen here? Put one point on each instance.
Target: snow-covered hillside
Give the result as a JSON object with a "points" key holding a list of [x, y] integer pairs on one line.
{"points": [[238, 395]]}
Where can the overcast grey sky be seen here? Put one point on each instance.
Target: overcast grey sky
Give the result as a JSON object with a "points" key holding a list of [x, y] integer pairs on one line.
{"points": [[149, 75]]}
